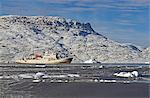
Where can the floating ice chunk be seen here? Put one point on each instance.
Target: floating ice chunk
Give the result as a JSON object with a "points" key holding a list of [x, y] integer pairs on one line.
{"points": [[147, 62], [73, 75], [40, 66], [135, 73], [25, 76], [39, 75], [58, 76], [95, 80], [127, 74], [89, 61], [36, 81]]}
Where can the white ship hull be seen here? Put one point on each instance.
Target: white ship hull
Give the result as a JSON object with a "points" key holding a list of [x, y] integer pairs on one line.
{"points": [[43, 61]]}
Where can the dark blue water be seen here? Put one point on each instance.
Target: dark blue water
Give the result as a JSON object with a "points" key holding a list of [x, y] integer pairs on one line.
{"points": [[121, 88]]}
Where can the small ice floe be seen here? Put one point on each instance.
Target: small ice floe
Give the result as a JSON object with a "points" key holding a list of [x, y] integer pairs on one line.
{"points": [[109, 81], [5, 77], [73, 75], [59, 76], [59, 81], [126, 82], [9, 77], [146, 62], [127, 74], [41, 66], [101, 67], [39, 75], [89, 61], [36, 81], [66, 81], [26, 76], [1, 77], [95, 80]]}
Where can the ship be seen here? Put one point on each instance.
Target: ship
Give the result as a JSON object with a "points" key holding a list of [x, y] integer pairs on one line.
{"points": [[44, 59]]}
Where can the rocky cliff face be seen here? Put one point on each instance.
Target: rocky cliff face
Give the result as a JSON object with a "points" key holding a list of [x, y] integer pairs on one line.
{"points": [[21, 36]]}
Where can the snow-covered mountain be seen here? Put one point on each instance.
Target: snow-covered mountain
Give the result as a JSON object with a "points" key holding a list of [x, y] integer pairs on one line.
{"points": [[21, 36]]}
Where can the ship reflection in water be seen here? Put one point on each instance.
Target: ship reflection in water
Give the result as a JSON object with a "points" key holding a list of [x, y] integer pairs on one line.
{"points": [[74, 81]]}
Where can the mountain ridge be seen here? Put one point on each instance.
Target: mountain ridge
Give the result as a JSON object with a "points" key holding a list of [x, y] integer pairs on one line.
{"points": [[23, 35]]}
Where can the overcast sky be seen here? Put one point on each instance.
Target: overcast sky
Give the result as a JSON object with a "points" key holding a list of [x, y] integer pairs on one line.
{"points": [[121, 20]]}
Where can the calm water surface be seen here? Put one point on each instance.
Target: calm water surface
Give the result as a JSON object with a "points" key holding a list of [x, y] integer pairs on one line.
{"points": [[28, 89]]}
